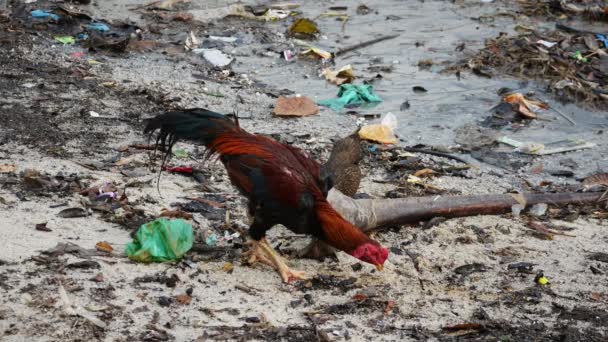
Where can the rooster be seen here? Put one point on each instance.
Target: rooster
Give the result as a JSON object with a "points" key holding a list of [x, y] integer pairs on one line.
{"points": [[281, 182]]}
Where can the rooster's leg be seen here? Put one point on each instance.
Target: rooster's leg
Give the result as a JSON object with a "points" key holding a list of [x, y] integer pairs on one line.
{"points": [[286, 273], [257, 253], [262, 251]]}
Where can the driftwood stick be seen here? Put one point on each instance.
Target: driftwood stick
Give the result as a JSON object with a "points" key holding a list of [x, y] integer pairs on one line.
{"points": [[368, 214], [364, 44]]}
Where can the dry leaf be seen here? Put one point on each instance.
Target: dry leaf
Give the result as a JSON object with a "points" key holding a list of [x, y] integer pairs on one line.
{"points": [[316, 52], [7, 168], [304, 28], [183, 299], [525, 107], [343, 75], [228, 267], [424, 173], [175, 214], [295, 106], [104, 247]]}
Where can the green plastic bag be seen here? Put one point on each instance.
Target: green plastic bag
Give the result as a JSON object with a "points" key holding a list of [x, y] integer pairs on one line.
{"points": [[352, 94], [161, 240]]}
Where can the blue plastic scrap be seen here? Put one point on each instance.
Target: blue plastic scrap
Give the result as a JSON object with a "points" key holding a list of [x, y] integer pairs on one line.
{"points": [[101, 27], [603, 38], [43, 14]]}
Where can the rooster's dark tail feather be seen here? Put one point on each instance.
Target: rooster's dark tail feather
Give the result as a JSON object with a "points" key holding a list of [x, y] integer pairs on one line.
{"points": [[196, 124]]}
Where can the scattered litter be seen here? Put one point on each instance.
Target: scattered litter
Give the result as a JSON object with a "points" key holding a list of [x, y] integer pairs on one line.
{"points": [[546, 43], [316, 52], [541, 149], [516, 209], [192, 42], [578, 56], [295, 106], [214, 56], [303, 28], [187, 170], [161, 240], [381, 132], [62, 248], [603, 38], [43, 14], [74, 310], [223, 39], [7, 168], [525, 107], [538, 210], [101, 27], [288, 55], [276, 14], [211, 240], [540, 279], [180, 153], [340, 76], [65, 40], [352, 95]]}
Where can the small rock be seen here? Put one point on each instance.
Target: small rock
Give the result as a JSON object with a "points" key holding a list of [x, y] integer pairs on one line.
{"points": [[164, 301], [98, 278], [43, 228], [538, 210], [253, 320]]}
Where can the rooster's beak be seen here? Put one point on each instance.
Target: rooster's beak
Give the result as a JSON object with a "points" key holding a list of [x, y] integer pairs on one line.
{"points": [[379, 267]]}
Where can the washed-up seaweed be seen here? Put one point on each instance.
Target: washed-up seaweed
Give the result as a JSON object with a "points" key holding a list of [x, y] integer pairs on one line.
{"points": [[572, 63]]}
